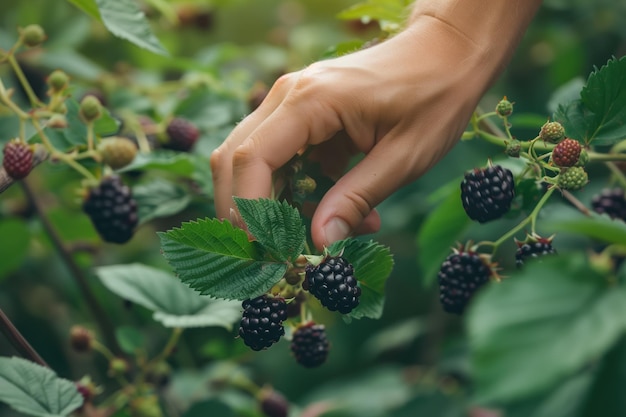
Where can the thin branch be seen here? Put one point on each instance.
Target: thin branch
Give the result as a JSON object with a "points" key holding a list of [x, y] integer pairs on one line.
{"points": [[98, 313], [18, 341]]}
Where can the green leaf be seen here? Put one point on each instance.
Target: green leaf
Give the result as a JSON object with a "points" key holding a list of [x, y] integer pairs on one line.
{"points": [[599, 227], [159, 198], [35, 390], [170, 161], [600, 116], [129, 339], [539, 326], [442, 227], [388, 10], [124, 19], [15, 249], [173, 304], [372, 264], [210, 110], [215, 258], [277, 226], [88, 6]]}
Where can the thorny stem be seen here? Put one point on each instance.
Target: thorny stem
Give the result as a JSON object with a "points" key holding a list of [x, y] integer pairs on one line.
{"points": [[18, 341], [92, 303]]}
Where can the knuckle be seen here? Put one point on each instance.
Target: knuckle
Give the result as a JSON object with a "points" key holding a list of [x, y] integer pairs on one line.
{"points": [[360, 203], [244, 154], [216, 162]]}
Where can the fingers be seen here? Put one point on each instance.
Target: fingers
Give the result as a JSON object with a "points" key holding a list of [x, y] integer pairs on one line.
{"points": [[348, 207]]}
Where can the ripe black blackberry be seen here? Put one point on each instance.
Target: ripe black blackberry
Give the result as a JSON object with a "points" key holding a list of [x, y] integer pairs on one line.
{"points": [[112, 210], [333, 283], [181, 135], [487, 193], [534, 248], [262, 321], [610, 201], [460, 276], [309, 345]]}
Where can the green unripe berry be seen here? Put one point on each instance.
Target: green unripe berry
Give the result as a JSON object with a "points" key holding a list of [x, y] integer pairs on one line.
{"points": [[552, 132], [573, 178], [513, 148], [118, 366], [57, 121], [504, 107], [582, 159], [90, 108], [33, 35], [58, 80]]}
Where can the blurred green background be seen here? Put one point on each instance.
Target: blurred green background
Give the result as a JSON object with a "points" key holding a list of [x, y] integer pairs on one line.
{"points": [[236, 45]]}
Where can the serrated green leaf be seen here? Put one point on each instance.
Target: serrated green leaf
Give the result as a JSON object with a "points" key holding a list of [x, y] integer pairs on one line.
{"points": [[215, 258], [442, 227], [124, 19], [277, 226], [173, 304], [372, 264], [600, 115], [533, 329], [159, 198], [35, 390]]}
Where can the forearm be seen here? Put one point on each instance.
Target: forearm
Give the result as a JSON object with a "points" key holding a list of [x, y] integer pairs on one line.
{"points": [[495, 27]]}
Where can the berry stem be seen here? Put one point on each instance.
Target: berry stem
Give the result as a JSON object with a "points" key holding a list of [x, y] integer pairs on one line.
{"points": [[5, 97], [617, 173], [167, 350], [497, 140], [18, 341], [532, 217], [22, 78], [596, 156], [90, 136]]}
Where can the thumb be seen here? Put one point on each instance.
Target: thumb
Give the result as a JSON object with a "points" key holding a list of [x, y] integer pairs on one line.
{"points": [[348, 207]]}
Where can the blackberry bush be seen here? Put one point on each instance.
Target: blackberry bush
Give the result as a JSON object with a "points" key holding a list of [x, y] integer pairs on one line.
{"points": [[333, 283], [487, 193], [262, 321], [112, 210]]}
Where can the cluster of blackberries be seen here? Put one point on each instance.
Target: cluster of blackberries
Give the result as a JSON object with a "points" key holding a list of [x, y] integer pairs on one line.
{"points": [[611, 202], [487, 193], [112, 210]]}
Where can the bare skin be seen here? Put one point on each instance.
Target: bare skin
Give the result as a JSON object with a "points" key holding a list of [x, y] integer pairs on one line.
{"points": [[403, 103]]}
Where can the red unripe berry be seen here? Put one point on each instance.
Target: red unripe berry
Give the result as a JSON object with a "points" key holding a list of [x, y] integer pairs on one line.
{"points": [[18, 159], [566, 153]]}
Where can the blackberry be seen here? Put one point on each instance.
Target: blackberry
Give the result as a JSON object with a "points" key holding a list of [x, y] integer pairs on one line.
{"points": [[262, 321], [181, 135], [460, 276], [112, 210], [309, 345], [117, 151], [487, 193], [533, 249], [333, 283], [566, 153], [611, 202], [18, 159], [273, 403]]}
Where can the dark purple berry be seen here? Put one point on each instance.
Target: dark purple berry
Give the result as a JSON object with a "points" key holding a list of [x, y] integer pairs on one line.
{"points": [[533, 249], [262, 321], [309, 345], [273, 404], [112, 210], [460, 276], [487, 193], [610, 201], [181, 135], [333, 283]]}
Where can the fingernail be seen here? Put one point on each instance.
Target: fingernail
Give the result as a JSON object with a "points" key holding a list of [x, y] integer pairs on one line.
{"points": [[335, 230]]}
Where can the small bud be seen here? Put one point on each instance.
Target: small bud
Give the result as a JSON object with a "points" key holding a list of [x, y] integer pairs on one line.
{"points": [[552, 132], [90, 108], [504, 107], [513, 148], [81, 339], [58, 81], [57, 121], [305, 185], [33, 35], [118, 366]]}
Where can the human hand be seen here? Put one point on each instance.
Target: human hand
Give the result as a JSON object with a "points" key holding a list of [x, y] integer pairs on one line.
{"points": [[402, 103]]}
